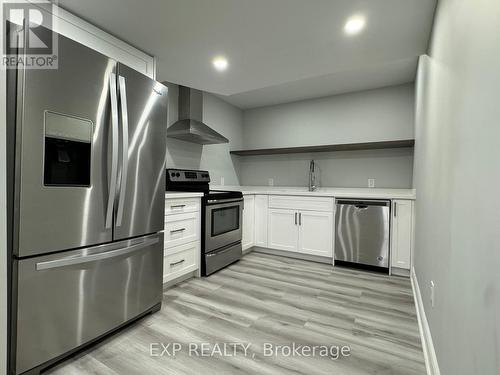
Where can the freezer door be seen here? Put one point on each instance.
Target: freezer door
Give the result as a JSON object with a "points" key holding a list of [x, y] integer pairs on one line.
{"points": [[143, 131], [68, 299], [62, 178]]}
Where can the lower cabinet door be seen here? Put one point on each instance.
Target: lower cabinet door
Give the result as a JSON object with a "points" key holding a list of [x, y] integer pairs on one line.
{"points": [[402, 233], [261, 220], [248, 222], [283, 229], [316, 233]]}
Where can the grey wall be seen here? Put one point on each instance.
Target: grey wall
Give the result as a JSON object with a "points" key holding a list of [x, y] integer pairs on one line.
{"points": [[224, 118], [457, 177], [372, 115]]}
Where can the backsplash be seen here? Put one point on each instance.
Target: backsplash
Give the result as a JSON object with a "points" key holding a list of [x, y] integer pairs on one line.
{"points": [[390, 168]]}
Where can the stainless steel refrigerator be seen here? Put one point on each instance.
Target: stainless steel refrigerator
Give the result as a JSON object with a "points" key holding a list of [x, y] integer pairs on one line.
{"points": [[86, 202]]}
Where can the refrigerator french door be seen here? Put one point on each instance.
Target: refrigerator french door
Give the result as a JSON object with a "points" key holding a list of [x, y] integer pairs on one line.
{"points": [[141, 200], [88, 202]]}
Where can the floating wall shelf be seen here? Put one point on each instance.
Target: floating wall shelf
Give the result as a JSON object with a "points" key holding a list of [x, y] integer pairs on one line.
{"points": [[403, 143]]}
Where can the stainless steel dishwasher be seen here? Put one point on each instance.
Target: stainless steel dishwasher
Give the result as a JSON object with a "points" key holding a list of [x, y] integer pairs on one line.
{"points": [[362, 232]]}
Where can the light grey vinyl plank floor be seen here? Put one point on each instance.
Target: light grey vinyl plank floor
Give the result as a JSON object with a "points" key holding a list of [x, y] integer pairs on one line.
{"points": [[265, 299]]}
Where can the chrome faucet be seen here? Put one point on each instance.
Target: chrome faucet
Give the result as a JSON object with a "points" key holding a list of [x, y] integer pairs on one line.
{"points": [[312, 176]]}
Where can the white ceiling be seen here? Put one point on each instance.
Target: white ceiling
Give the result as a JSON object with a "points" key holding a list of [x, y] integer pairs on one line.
{"points": [[278, 50]]}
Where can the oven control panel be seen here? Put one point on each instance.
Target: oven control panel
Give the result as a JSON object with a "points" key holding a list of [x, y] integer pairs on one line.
{"points": [[184, 175]]}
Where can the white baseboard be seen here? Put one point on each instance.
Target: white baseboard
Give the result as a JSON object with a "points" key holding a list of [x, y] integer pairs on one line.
{"points": [[247, 250], [396, 271], [431, 363]]}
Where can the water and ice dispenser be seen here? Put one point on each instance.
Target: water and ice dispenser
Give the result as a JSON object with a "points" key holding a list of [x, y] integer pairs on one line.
{"points": [[68, 149]]}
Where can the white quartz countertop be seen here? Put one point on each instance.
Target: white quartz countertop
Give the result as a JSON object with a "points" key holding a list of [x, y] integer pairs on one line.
{"points": [[182, 194], [361, 193]]}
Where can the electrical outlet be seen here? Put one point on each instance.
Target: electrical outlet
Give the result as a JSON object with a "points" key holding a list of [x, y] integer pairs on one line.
{"points": [[222, 181], [432, 286], [371, 182], [270, 181]]}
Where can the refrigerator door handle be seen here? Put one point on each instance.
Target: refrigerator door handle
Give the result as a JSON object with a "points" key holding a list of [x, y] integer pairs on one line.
{"points": [[114, 152], [70, 261], [124, 123]]}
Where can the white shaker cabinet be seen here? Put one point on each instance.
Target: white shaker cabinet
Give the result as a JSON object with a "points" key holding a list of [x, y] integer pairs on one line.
{"points": [[301, 224], [261, 207], [248, 233], [316, 233], [282, 229], [181, 249], [402, 233]]}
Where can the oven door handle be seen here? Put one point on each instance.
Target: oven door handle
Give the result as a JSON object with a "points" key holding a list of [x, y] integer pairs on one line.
{"points": [[222, 201]]}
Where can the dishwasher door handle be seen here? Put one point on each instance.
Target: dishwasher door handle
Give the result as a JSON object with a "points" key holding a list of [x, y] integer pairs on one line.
{"points": [[369, 203], [361, 206]]}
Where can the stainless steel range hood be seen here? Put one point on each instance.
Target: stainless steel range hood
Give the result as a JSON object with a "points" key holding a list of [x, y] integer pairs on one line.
{"points": [[190, 126]]}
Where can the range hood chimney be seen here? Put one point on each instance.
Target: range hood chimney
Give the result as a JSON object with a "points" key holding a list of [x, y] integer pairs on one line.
{"points": [[190, 126]]}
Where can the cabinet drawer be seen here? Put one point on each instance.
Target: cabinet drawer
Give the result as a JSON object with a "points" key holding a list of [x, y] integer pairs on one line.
{"points": [[181, 206], [295, 202], [181, 229], [180, 262]]}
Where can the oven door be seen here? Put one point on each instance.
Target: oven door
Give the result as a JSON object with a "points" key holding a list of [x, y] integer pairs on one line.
{"points": [[222, 223]]}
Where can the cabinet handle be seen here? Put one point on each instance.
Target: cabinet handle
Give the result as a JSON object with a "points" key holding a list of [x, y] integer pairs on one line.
{"points": [[300, 218], [395, 209], [177, 263], [296, 218], [177, 230], [178, 206]]}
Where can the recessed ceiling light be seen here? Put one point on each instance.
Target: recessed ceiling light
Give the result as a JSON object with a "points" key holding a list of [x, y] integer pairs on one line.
{"points": [[220, 63], [354, 25]]}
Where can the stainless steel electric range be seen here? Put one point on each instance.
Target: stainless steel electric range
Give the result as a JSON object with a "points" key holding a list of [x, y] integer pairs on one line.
{"points": [[221, 223]]}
